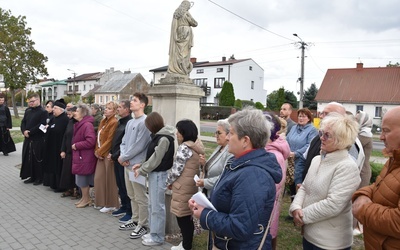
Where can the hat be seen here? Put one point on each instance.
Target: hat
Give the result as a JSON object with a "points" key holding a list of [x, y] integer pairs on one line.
{"points": [[59, 103]]}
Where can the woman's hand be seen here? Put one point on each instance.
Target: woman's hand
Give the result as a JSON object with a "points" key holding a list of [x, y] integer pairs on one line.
{"points": [[298, 217], [62, 155], [200, 183], [109, 157], [291, 154], [73, 147], [196, 208]]}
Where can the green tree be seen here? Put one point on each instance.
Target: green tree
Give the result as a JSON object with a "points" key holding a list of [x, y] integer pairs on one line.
{"points": [[238, 104], [280, 96], [20, 62], [393, 65], [259, 105], [309, 97], [227, 95]]}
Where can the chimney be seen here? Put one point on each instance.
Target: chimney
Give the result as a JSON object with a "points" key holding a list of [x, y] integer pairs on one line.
{"points": [[127, 72], [224, 58], [359, 66], [193, 60]]}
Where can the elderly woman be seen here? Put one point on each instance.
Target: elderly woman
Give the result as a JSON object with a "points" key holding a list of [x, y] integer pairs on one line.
{"points": [[277, 145], [105, 183], [83, 158], [213, 167], [322, 205], [299, 139], [180, 179], [244, 195]]}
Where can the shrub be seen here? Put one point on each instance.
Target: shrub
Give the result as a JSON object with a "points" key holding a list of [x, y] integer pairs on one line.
{"points": [[376, 168]]}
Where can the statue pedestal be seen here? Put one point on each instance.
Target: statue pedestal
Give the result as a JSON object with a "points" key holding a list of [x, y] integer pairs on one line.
{"points": [[176, 98]]}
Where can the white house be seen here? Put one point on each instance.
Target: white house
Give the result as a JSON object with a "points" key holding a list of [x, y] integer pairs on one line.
{"points": [[53, 90], [246, 76], [373, 90]]}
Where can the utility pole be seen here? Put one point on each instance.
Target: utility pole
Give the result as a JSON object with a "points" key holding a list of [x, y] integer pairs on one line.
{"points": [[302, 47]]}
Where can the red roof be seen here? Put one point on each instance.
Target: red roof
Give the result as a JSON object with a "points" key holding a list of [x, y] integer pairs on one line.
{"points": [[361, 85]]}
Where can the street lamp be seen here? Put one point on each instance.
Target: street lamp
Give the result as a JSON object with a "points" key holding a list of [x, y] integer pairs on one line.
{"points": [[73, 83], [302, 46]]}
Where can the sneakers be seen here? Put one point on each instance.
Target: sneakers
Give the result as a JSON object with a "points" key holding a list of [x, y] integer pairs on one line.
{"points": [[150, 241], [125, 218], [138, 232], [130, 225], [97, 207], [146, 236], [107, 209], [118, 212], [178, 247]]}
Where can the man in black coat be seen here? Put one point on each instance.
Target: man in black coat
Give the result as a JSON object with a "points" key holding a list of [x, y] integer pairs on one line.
{"points": [[32, 150], [125, 115], [6, 142]]}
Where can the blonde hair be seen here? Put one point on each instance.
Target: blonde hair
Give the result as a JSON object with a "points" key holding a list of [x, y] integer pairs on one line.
{"points": [[344, 129]]}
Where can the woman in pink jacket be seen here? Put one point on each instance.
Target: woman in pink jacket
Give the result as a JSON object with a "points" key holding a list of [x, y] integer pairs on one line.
{"points": [[280, 148]]}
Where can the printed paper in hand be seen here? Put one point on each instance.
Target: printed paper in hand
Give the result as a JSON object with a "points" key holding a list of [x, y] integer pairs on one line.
{"points": [[202, 200], [140, 179], [196, 178], [43, 128]]}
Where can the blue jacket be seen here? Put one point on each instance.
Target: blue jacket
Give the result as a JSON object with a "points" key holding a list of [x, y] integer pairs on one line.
{"points": [[244, 197]]}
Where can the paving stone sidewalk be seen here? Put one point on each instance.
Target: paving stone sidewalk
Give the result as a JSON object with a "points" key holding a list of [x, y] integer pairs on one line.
{"points": [[34, 217]]}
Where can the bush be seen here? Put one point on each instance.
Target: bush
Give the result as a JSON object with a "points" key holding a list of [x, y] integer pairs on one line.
{"points": [[376, 168], [247, 103], [259, 105], [215, 112], [238, 104]]}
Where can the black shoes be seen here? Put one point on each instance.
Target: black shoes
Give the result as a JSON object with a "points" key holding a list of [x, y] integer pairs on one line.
{"points": [[29, 180], [5, 154], [37, 182]]}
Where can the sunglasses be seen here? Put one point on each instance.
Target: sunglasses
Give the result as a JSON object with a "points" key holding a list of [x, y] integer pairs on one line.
{"points": [[324, 135]]}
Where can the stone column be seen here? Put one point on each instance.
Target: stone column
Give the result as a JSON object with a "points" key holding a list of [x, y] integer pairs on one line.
{"points": [[176, 98]]}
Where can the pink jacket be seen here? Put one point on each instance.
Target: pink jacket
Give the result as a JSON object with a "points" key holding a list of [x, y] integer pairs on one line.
{"points": [[280, 148]]}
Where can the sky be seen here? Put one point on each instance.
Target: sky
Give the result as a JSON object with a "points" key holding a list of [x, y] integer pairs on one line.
{"points": [[89, 36]]}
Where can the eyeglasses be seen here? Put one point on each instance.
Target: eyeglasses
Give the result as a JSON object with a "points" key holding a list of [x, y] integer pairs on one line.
{"points": [[32, 101], [324, 135]]}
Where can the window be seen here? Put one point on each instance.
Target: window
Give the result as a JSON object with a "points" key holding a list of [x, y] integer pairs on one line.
{"points": [[70, 88], [84, 87], [201, 82], [378, 111], [220, 69], [106, 98], [101, 99], [218, 82], [359, 107], [250, 67], [200, 71], [252, 84]]}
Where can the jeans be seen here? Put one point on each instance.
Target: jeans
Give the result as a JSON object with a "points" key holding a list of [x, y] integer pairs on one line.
{"points": [[309, 246], [157, 216], [123, 195]]}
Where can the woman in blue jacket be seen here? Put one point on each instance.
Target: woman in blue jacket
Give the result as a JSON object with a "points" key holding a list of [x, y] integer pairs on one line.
{"points": [[245, 193]]}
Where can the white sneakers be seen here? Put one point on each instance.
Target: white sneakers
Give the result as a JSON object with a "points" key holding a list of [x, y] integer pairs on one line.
{"points": [[107, 209], [178, 247]]}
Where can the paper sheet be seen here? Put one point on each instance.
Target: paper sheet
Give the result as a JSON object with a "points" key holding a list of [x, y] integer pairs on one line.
{"points": [[140, 179], [202, 200]]}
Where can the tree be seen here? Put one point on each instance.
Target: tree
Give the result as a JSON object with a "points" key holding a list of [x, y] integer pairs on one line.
{"points": [[393, 65], [227, 95], [238, 104], [259, 105], [279, 97], [309, 97], [20, 62]]}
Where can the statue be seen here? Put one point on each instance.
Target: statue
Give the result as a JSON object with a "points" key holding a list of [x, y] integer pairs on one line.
{"points": [[181, 41]]}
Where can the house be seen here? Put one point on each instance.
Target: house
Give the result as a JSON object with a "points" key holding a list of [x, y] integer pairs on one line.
{"points": [[53, 90], [373, 90], [82, 84], [121, 87], [246, 76]]}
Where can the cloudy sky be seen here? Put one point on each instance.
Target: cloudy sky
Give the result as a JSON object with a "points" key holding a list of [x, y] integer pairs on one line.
{"points": [[93, 35]]}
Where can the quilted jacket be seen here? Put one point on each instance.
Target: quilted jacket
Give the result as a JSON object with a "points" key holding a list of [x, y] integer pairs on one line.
{"points": [[244, 197], [381, 218]]}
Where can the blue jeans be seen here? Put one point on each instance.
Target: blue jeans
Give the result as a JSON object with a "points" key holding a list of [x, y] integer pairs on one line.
{"points": [[157, 216], [309, 246]]}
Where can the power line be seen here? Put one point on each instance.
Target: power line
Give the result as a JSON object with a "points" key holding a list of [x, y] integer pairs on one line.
{"points": [[250, 21]]}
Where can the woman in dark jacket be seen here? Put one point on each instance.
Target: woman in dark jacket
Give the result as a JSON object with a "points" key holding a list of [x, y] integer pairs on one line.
{"points": [[245, 193], [83, 158]]}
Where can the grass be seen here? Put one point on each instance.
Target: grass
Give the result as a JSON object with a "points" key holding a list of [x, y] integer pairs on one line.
{"points": [[377, 153], [16, 122]]}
